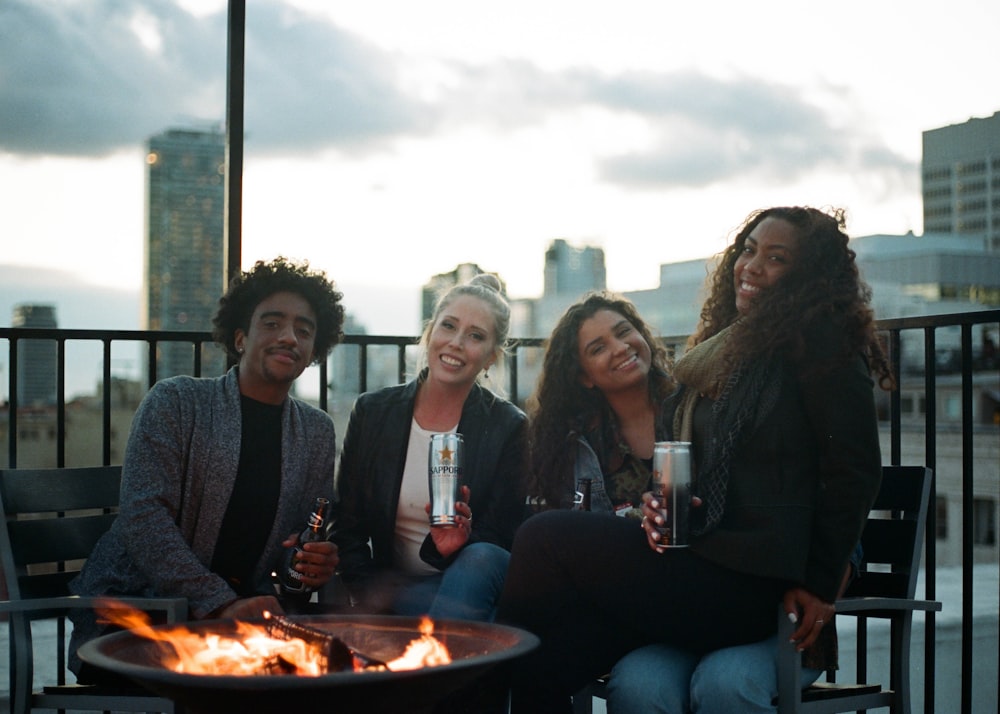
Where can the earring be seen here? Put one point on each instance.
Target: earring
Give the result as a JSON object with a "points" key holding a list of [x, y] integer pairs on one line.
{"points": [[486, 373]]}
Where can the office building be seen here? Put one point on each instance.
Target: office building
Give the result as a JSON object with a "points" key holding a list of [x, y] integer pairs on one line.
{"points": [[36, 359], [961, 179], [184, 253], [572, 271]]}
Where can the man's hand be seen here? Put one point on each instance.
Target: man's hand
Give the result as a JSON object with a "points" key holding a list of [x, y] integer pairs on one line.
{"points": [[317, 562]]}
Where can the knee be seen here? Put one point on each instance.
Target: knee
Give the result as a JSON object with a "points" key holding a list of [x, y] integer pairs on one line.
{"points": [[485, 559], [485, 554], [740, 679], [651, 679]]}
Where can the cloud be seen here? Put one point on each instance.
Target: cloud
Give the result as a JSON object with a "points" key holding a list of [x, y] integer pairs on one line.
{"points": [[79, 304], [89, 78], [711, 130]]}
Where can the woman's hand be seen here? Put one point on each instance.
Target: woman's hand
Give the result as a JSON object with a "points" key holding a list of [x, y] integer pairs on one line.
{"points": [[810, 613], [317, 561], [652, 517], [450, 539]]}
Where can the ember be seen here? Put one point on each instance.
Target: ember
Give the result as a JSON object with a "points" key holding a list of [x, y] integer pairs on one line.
{"points": [[279, 646]]}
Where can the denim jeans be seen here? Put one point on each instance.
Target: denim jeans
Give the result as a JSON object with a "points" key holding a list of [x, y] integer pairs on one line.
{"points": [[669, 680], [468, 589]]}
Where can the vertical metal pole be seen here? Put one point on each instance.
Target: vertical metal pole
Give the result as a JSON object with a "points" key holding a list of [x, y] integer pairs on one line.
{"points": [[968, 513], [930, 533], [235, 77]]}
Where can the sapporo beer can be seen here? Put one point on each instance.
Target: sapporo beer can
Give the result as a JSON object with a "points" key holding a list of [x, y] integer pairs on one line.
{"points": [[672, 487], [444, 473]]}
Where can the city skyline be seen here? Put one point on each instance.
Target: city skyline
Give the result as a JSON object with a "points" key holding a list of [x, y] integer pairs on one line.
{"points": [[425, 136]]}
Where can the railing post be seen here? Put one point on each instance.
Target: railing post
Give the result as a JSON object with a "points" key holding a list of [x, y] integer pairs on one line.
{"points": [[235, 80]]}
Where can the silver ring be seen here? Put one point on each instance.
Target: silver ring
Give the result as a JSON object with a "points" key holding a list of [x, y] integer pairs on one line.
{"points": [[819, 622]]}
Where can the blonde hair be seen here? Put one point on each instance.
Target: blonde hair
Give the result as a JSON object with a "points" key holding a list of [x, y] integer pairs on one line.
{"points": [[487, 288]]}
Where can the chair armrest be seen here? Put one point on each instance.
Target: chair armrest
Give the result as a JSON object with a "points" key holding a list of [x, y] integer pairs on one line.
{"points": [[872, 606], [38, 608], [789, 664]]}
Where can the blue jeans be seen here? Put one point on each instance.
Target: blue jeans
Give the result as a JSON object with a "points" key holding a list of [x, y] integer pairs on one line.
{"points": [[669, 680], [468, 589]]}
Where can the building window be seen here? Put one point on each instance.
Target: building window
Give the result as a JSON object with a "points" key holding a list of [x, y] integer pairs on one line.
{"points": [[953, 407], [941, 517], [973, 169], [984, 524]]}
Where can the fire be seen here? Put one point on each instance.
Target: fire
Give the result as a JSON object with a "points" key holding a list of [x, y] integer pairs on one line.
{"points": [[255, 649], [425, 651]]}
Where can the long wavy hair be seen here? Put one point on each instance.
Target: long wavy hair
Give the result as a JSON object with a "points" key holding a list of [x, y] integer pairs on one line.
{"points": [[560, 405], [823, 287]]}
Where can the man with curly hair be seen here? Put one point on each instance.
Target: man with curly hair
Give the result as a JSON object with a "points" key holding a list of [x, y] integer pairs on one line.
{"points": [[220, 474]]}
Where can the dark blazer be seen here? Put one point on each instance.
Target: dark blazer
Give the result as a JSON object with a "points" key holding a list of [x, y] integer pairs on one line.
{"points": [[802, 483], [371, 473]]}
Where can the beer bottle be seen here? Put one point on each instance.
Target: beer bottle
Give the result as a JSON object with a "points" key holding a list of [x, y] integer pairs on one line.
{"points": [[289, 578]]}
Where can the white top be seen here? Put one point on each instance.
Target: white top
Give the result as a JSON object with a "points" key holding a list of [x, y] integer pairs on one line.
{"points": [[412, 521]]}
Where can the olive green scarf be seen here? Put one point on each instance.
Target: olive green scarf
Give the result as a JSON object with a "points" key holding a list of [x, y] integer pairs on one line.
{"points": [[742, 396]]}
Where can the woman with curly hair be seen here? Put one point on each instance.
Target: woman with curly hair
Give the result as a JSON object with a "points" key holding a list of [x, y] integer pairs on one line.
{"points": [[776, 398], [219, 473], [596, 410]]}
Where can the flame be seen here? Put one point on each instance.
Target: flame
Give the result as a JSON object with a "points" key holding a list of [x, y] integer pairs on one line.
{"points": [[425, 651], [251, 650]]}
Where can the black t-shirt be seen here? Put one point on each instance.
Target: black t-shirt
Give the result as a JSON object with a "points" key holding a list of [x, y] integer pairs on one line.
{"points": [[252, 506]]}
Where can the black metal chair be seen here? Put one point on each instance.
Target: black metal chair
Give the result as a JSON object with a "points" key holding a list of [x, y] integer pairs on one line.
{"points": [[892, 541], [53, 518]]}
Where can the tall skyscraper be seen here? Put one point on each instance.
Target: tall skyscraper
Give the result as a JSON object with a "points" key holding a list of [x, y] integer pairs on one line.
{"points": [[573, 271], [961, 179], [36, 359], [184, 262]]}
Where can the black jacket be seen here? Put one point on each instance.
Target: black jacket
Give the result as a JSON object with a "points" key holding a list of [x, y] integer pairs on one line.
{"points": [[801, 484], [371, 473]]}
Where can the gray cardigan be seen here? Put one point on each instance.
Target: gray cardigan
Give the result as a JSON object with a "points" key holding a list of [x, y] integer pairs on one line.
{"points": [[178, 474]]}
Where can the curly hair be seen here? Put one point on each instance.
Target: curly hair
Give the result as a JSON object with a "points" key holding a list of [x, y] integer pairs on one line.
{"points": [[560, 405], [823, 287], [251, 287]]}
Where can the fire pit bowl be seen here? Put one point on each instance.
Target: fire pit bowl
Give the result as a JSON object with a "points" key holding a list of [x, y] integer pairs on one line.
{"points": [[475, 648]]}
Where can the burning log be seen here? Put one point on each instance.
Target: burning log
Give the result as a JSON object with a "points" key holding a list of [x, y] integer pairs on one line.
{"points": [[335, 655], [276, 647]]}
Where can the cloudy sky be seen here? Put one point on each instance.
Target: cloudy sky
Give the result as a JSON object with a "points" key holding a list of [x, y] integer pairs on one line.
{"points": [[389, 140]]}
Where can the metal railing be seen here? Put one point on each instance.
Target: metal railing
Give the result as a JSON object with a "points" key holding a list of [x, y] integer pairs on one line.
{"points": [[961, 363]]}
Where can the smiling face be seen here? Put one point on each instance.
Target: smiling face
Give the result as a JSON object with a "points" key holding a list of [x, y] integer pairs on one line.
{"points": [[768, 255], [462, 341], [613, 354], [277, 347]]}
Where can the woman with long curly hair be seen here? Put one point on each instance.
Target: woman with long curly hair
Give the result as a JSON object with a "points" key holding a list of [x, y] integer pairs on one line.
{"points": [[776, 398], [584, 428]]}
